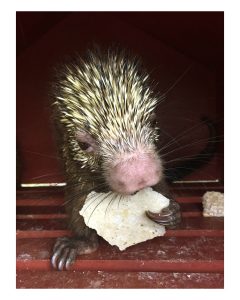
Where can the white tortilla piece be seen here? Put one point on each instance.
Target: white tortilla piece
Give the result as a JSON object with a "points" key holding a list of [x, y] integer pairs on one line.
{"points": [[123, 221], [213, 204]]}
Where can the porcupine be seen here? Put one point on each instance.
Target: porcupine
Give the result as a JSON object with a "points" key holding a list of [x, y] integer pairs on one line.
{"points": [[104, 113]]}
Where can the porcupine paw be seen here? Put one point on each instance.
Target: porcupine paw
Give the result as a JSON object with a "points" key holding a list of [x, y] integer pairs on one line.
{"points": [[169, 216], [66, 250]]}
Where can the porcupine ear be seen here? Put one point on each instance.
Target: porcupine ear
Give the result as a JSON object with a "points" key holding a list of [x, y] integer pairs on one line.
{"points": [[86, 142]]}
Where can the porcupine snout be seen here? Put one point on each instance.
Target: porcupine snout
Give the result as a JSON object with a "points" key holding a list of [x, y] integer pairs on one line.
{"points": [[134, 171]]}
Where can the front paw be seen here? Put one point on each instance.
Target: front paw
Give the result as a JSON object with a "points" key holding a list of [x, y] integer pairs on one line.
{"points": [[169, 216], [66, 250]]}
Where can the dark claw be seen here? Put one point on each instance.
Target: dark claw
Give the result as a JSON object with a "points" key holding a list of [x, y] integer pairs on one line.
{"points": [[62, 256], [169, 216], [71, 258], [66, 249]]}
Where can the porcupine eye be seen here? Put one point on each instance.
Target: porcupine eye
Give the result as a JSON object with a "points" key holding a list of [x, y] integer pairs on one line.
{"points": [[85, 141], [84, 146]]}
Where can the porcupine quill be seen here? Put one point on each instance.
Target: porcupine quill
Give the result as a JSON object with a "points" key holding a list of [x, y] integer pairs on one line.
{"points": [[103, 110]]}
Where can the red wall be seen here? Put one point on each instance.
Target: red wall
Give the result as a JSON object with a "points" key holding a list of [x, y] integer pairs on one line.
{"points": [[167, 42]]}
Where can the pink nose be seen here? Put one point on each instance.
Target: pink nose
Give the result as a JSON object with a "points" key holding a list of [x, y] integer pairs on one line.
{"points": [[133, 185], [131, 176]]}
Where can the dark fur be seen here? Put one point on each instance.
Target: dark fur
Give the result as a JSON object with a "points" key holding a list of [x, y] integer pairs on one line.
{"points": [[85, 239]]}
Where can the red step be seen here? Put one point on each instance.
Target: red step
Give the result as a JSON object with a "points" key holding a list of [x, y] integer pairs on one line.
{"points": [[188, 256]]}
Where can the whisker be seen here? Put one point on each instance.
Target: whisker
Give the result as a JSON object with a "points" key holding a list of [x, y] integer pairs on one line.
{"points": [[94, 197], [178, 80], [190, 157], [109, 203], [187, 145], [45, 175], [167, 134], [185, 168], [79, 194], [42, 154], [120, 198], [183, 134], [96, 207]]}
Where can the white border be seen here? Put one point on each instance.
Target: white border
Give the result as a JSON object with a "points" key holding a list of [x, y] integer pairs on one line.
{"points": [[7, 73], [124, 5]]}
